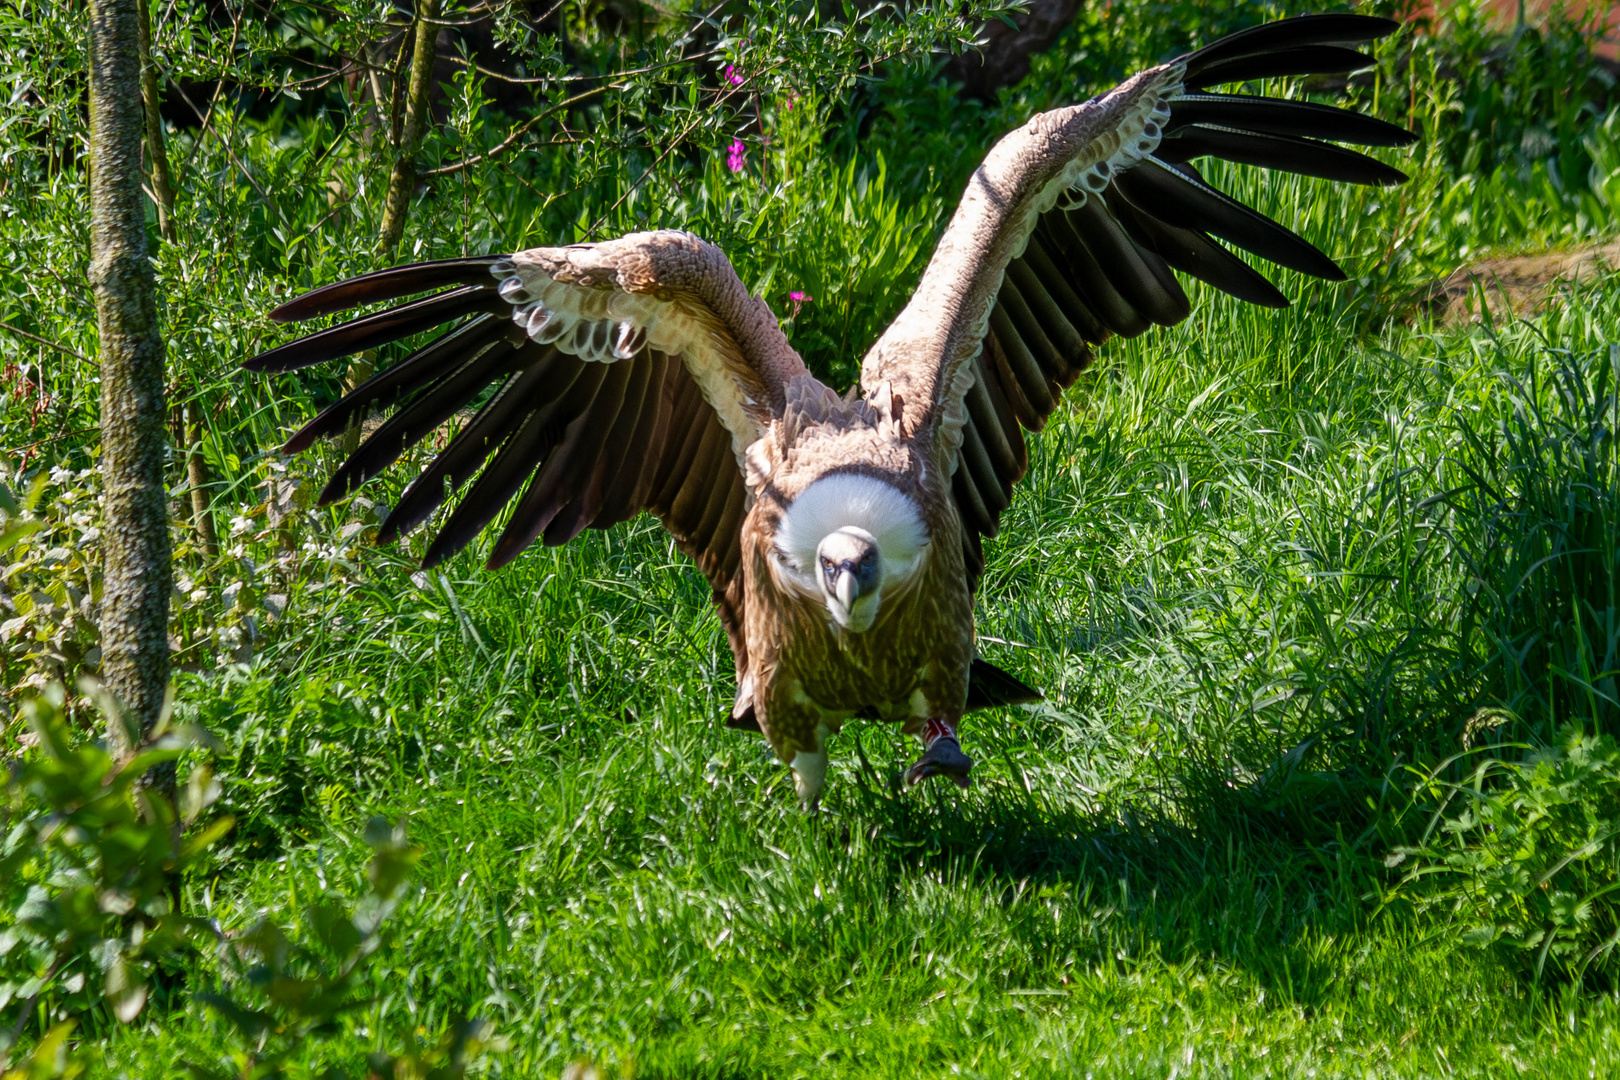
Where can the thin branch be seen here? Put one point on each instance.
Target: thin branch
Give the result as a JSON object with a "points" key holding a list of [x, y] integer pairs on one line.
{"points": [[45, 341], [725, 95], [607, 76], [507, 143], [213, 130], [219, 85]]}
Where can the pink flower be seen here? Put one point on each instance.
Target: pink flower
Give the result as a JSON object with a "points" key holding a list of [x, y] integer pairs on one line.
{"points": [[733, 76], [798, 299], [734, 156]]}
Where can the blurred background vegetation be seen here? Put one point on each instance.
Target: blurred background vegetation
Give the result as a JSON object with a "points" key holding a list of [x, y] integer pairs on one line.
{"points": [[1324, 600]]}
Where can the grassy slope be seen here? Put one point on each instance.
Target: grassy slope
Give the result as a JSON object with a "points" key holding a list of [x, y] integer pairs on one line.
{"points": [[1215, 542]]}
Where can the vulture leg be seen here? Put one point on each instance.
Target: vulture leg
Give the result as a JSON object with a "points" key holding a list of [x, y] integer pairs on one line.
{"points": [[810, 772], [942, 755]]}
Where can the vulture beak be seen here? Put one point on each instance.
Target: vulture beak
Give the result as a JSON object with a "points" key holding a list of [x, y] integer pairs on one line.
{"points": [[851, 577]]}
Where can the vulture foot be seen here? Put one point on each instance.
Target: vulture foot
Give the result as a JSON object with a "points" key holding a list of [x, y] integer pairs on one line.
{"points": [[943, 757]]}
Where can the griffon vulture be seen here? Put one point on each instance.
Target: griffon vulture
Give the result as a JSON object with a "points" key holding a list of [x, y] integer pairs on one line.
{"points": [[841, 534]]}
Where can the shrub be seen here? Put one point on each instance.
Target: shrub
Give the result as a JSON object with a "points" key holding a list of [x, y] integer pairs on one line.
{"points": [[88, 871], [1530, 863]]}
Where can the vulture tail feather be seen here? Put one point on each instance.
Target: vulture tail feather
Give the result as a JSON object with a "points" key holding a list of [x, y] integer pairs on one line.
{"points": [[989, 686]]}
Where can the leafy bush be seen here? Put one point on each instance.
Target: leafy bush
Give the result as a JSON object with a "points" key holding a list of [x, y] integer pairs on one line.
{"points": [[1529, 862], [91, 866], [286, 990], [50, 578], [88, 867]]}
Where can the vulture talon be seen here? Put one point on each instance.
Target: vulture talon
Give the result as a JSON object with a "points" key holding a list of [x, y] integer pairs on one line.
{"points": [[944, 757]]}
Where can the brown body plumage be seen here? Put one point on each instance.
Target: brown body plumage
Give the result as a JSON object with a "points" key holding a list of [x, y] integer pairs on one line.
{"points": [[841, 535], [803, 670]]}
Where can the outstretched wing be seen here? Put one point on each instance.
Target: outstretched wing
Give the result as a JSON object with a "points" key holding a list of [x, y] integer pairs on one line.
{"points": [[592, 382], [1072, 229]]}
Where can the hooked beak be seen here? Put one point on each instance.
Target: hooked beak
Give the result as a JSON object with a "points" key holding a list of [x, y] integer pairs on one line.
{"points": [[853, 606], [848, 587]]}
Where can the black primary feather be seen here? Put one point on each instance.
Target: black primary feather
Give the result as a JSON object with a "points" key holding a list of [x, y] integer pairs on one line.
{"points": [[416, 370], [1197, 255], [1307, 60], [1176, 198], [1274, 116], [1286, 153], [380, 286], [382, 328], [489, 428], [1287, 35]]}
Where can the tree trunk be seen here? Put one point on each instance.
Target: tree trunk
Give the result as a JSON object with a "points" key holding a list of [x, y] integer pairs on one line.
{"points": [[1003, 59], [157, 153], [402, 181], [202, 515], [135, 533]]}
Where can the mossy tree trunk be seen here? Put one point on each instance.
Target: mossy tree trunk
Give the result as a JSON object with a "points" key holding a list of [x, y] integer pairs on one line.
{"points": [[135, 527], [418, 105], [402, 177]]}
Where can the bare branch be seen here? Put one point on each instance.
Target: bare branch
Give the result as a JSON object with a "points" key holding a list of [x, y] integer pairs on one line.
{"points": [[510, 140], [58, 346]]}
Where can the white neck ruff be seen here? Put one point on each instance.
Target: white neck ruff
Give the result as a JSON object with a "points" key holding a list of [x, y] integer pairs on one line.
{"points": [[843, 499]]}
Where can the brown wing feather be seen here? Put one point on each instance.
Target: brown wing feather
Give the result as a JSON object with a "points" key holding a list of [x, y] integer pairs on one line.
{"points": [[607, 379], [1073, 229]]}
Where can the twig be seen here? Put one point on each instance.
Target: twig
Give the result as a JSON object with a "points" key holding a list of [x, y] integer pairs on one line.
{"points": [[517, 132], [725, 96], [45, 341], [214, 131], [230, 50], [606, 76]]}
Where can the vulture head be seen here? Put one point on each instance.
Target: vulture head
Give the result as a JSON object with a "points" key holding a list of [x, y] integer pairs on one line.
{"points": [[851, 567], [848, 541]]}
